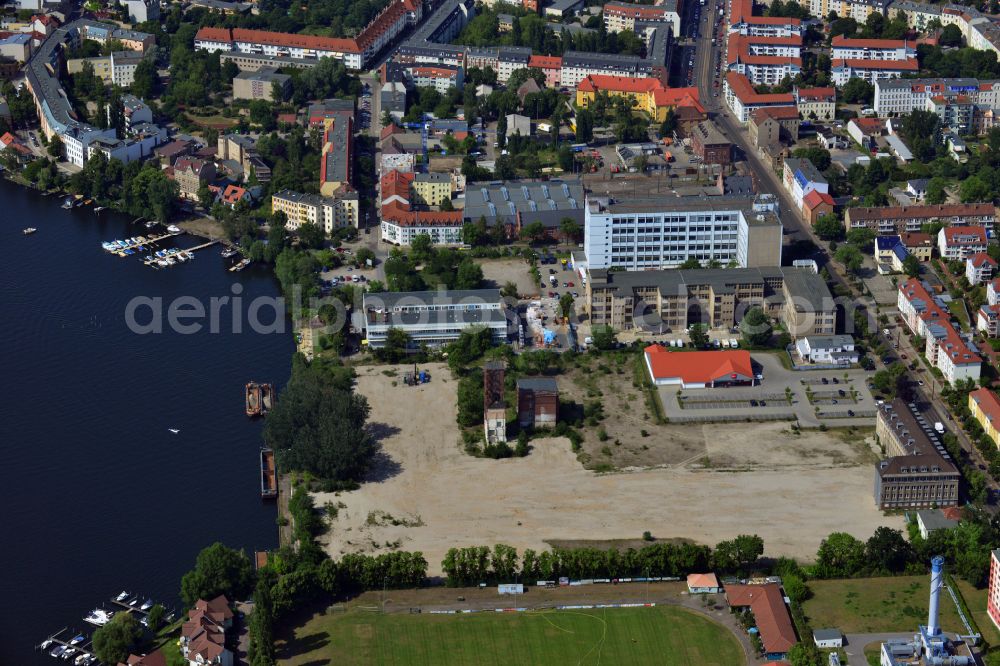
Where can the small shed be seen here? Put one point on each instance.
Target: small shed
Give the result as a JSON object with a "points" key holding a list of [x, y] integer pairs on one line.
{"points": [[933, 520], [828, 638], [703, 583]]}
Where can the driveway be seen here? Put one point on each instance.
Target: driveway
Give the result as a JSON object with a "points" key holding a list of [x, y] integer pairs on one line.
{"points": [[854, 644]]}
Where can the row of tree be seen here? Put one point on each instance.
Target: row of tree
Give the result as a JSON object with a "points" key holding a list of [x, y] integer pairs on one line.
{"points": [[479, 564]]}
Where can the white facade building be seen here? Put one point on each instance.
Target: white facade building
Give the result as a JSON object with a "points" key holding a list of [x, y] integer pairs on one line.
{"points": [[666, 232], [433, 318]]}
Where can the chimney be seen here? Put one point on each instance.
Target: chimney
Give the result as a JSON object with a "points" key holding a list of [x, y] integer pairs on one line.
{"points": [[937, 575]]}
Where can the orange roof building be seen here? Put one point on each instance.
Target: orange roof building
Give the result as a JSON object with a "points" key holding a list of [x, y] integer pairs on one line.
{"points": [[985, 408], [699, 369], [706, 583], [650, 94], [767, 603]]}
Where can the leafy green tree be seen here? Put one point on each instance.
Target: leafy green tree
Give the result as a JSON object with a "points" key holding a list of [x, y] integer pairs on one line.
{"points": [[115, 640], [805, 653], [155, 617], [862, 238], [604, 337], [755, 328], [318, 426], [699, 335], [850, 256], [261, 629], [795, 588], [566, 304], [936, 192], [469, 275], [975, 189], [509, 290], [887, 552], [397, 345], [840, 555], [218, 570], [311, 236], [828, 227], [533, 231], [584, 125], [55, 147], [820, 157], [470, 398], [950, 36], [858, 91], [690, 264], [911, 266]]}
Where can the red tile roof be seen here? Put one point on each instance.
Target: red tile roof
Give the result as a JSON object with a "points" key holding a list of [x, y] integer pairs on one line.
{"points": [[817, 94], [233, 194], [777, 112], [767, 604], [434, 72], [981, 258], [850, 43], [989, 404], [214, 35], [740, 85], [698, 367], [291, 39], [545, 62], [815, 198], [908, 65], [634, 11], [965, 235]]}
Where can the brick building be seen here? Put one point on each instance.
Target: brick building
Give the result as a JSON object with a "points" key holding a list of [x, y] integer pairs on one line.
{"points": [[537, 401]]}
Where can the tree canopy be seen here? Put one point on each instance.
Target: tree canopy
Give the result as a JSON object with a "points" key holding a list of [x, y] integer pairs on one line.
{"points": [[218, 570]]}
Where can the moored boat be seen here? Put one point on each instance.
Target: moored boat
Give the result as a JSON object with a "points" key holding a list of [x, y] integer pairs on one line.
{"points": [[268, 475], [253, 399], [266, 398], [29, 231]]}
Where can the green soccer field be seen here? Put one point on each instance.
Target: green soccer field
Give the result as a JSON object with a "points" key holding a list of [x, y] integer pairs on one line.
{"points": [[664, 635]]}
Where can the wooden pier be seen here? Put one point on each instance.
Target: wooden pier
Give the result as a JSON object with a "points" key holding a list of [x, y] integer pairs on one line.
{"points": [[135, 246], [63, 638], [155, 259]]}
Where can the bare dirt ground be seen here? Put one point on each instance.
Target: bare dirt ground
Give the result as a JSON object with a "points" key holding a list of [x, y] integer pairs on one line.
{"points": [[802, 488], [501, 271]]}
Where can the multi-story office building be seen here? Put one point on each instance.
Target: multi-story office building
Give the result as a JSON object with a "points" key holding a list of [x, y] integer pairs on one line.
{"points": [[433, 318], [672, 300], [328, 213], [665, 232], [917, 471]]}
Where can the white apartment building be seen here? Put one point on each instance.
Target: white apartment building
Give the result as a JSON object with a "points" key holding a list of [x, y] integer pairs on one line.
{"points": [[871, 49], [443, 229], [665, 232], [925, 315], [433, 317], [961, 242], [843, 71], [902, 96]]}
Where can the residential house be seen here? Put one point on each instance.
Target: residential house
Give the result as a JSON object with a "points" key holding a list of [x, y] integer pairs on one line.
{"points": [[815, 205], [703, 583], [816, 103], [897, 219], [800, 178], [917, 188], [265, 83], [920, 245], [329, 213], [191, 174], [234, 194], [979, 268], [203, 635], [827, 350], [932, 520], [961, 242], [988, 320], [827, 639], [928, 317], [770, 614], [890, 254]]}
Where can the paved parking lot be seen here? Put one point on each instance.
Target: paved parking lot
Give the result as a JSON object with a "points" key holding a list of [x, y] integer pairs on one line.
{"points": [[782, 394]]}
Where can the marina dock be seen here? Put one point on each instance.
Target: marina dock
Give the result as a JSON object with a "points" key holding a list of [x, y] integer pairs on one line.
{"points": [[155, 261], [60, 642], [136, 243]]}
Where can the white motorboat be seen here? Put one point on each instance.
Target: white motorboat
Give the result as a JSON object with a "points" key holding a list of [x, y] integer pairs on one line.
{"points": [[146, 605], [45, 644], [68, 653], [29, 231], [174, 229], [151, 224], [99, 617], [79, 661], [122, 597]]}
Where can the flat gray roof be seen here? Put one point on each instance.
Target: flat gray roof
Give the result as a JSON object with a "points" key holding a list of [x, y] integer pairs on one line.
{"points": [[540, 384], [428, 299], [935, 520], [671, 203], [503, 200]]}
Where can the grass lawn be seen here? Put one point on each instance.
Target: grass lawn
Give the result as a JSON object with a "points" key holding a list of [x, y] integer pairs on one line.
{"points": [[216, 122], [875, 605], [661, 635], [957, 308], [975, 599]]}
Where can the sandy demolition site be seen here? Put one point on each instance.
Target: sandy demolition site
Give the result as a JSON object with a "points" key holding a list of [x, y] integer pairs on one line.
{"points": [[429, 495]]}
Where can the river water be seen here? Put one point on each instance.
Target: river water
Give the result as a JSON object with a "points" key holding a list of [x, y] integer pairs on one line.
{"points": [[100, 496]]}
